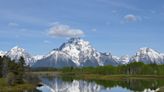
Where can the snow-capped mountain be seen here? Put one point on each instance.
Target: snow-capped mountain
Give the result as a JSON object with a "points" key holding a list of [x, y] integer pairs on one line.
{"points": [[55, 59], [106, 59], [79, 50], [77, 53], [15, 53], [124, 59], [38, 57], [148, 55], [2, 53]]}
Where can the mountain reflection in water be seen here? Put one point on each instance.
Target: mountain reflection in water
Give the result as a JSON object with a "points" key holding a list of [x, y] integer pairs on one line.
{"points": [[63, 84]]}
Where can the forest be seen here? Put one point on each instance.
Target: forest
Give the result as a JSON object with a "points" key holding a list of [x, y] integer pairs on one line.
{"points": [[12, 71], [134, 68]]}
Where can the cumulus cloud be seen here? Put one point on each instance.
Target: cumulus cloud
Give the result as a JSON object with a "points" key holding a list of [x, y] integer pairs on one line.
{"points": [[60, 30], [131, 18]]}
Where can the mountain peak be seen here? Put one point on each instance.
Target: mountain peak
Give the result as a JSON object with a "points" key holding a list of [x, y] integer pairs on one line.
{"points": [[16, 52], [2, 53], [74, 39], [147, 56], [17, 48], [76, 52], [146, 50], [75, 42]]}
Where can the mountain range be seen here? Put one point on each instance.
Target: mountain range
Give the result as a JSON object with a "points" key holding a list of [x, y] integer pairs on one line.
{"points": [[77, 52]]}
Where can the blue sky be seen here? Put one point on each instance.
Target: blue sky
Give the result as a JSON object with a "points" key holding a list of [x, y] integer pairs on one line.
{"points": [[117, 26]]}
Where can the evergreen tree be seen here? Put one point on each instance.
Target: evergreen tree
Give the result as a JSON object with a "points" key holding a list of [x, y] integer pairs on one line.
{"points": [[5, 68], [11, 79]]}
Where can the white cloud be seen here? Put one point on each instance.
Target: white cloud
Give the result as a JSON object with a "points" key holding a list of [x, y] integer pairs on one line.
{"points": [[60, 30], [13, 24], [131, 18]]}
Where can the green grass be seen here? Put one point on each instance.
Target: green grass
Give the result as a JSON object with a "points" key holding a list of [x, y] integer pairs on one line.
{"points": [[4, 87]]}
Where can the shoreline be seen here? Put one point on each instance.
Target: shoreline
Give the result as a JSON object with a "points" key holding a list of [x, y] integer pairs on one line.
{"points": [[90, 76]]}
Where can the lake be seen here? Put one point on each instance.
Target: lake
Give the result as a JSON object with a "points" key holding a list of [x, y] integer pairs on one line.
{"points": [[65, 84]]}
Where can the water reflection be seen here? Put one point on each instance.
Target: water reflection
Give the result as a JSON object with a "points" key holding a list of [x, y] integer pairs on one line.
{"points": [[58, 84]]}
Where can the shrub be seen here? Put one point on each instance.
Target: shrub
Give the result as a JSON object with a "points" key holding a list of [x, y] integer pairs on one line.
{"points": [[11, 79]]}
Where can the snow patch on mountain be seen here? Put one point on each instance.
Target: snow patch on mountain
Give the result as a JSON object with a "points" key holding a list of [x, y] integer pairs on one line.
{"points": [[55, 59], [38, 57], [124, 59], [15, 53], [2, 53], [147, 56]]}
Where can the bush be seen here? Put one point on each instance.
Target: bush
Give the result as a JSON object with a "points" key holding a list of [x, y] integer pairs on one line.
{"points": [[11, 79]]}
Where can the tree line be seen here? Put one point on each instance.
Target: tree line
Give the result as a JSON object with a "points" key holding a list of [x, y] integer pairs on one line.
{"points": [[134, 68], [13, 71]]}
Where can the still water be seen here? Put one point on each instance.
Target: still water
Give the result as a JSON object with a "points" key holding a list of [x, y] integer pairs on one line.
{"points": [[59, 84]]}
